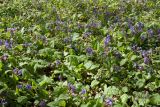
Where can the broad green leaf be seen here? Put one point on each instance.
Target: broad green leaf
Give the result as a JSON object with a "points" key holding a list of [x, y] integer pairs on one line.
{"points": [[111, 90], [125, 89], [155, 99], [143, 101], [140, 83], [46, 80], [124, 98], [133, 57], [63, 97], [75, 36], [62, 103], [123, 61], [19, 47], [94, 83], [52, 104], [22, 99], [90, 65]]}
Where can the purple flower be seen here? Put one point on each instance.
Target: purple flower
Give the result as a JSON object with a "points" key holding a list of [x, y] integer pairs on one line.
{"points": [[146, 60], [3, 101], [15, 70], [7, 44], [109, 102], [4, 57], [86, 34], [83, 91], [142, 38], [158, 36], [43, 38], [140, 26], [150, 32], [80, 26], [89, 50], [107, 40], [1, 42], [28, 87], [144, 53], [60, 77], [95, 11], [132, 28], [42, 103], [11, 29], [67, 39], [94, 25], [117, 55], [27, 44], [19, 72], [72, 87], [134, 47], [158, 31], [140, 68], [19, 86], [58, 62]]}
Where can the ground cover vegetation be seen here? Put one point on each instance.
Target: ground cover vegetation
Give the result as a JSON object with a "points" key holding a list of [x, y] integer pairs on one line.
{"points": [[80, 53]]}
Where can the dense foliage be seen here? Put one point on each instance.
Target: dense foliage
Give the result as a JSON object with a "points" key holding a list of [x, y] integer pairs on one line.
{"points": [[80, 53]]}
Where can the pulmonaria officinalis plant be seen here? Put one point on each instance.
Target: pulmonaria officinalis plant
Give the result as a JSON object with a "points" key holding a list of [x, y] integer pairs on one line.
{"points": [[82, 53]]}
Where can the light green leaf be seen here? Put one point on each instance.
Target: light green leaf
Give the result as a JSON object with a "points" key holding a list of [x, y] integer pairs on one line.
{"points": [[22, 99], [124, 98], [123, 61], [19, 47], [1, 65], [51, 104], [140, 83], [75, 36], [94, 83], [111, 90], [90, 65], [155, 99], [46, 80], [133, 57], [62, 103]]}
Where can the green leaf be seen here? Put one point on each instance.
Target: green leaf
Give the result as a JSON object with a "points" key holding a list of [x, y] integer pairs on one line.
{"points": [[63, 97], [75, 36], [123, 61], [140, 83], [118, 105], [52, 104], [19, 47], [124, 98], [111, 90], [143, 101], [22, 99], [1, 65], [90, 65], [155, 99], [94, 83], [62, 103], [133, 57], [125, 89], [46, 80]]}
